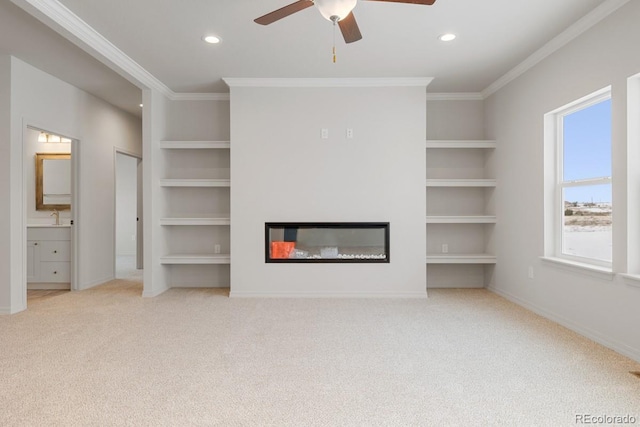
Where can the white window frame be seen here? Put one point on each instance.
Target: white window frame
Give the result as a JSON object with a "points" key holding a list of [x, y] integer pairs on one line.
{"points": [[554, 129]]}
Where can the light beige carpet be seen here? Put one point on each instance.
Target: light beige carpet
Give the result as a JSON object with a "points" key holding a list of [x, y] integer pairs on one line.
{"points": [[106, 357]]}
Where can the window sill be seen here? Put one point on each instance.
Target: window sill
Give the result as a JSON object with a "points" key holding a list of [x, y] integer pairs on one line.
{"points": [[631, 279], [580, 267]]}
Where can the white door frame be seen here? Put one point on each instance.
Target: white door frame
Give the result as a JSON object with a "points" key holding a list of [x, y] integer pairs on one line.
{"points": [[75, 197]]}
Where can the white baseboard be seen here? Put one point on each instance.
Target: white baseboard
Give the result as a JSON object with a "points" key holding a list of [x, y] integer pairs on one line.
{"points": [[625, 350], [7, 310], [146, 293], [199, 285], [89, 285], [48, 286], [415, 295]]}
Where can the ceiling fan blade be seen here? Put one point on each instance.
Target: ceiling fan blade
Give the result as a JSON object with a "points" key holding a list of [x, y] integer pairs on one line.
{"points": [[283, 12], [349, 28], [424, 2]]}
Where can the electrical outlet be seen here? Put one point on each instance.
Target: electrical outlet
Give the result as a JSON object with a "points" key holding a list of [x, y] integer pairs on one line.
{"points": [[324, 133], [133, 237], [445, 248], [530, 272], [349, 133], [216, 249]]}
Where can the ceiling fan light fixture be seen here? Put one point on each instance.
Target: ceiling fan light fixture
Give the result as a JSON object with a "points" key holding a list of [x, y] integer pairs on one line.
{"points": [[331, 8]]}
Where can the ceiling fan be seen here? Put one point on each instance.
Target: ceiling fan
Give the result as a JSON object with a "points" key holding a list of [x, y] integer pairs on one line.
{"points": [[336, 11]]}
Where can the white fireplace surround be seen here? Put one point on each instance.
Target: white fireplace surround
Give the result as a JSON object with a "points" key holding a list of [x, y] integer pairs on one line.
{"points": [[328, 150]]}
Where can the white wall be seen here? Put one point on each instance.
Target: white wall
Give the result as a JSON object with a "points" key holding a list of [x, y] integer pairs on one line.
{"points": [[43, 101], [604, 310], [126, 204], [5, 186], [281, 170]]}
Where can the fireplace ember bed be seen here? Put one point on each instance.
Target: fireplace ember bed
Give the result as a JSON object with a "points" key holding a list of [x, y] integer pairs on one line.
{"points": [[326, 242]]}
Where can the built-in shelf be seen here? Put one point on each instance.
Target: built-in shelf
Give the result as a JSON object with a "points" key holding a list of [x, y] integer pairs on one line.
{"points": [[461, 259], [439, 143], [196, 259], [461, 182], [195, 182], [453, 219], [193, 220], [195, 144]]}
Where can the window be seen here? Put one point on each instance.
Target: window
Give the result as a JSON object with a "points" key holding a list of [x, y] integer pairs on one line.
{"points": [[582, 202]]}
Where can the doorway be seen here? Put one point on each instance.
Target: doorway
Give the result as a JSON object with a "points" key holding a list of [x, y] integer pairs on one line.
{"points": [[50, 189], [128, 217]]}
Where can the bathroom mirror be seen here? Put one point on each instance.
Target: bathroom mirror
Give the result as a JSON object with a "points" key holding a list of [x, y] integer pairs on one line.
{"points": [[53, 181]]}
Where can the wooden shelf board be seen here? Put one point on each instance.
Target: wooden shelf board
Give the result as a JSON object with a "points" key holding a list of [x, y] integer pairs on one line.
{"points": [[460, 182], [461, 259], [195, 183], [195, 259], [461, 219], [195, 145], [440, 143]]}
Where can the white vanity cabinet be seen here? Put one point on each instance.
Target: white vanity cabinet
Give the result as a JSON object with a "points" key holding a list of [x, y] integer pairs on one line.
{"points": [[49, 257]]}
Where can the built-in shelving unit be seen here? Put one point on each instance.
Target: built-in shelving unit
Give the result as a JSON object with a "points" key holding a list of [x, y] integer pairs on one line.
{"points": [[195, 183], [461, 183], [196, 259], [196, 215], [461, 259], [460, 217]]}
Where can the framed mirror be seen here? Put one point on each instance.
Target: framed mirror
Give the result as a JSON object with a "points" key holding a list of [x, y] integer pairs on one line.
{"points": [[53, 181]]}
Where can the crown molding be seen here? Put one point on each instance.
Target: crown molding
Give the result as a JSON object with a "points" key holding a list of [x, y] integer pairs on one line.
{"points": [[199, 97], [328, 82], [579, 27], [455, 96], [69, 23]]}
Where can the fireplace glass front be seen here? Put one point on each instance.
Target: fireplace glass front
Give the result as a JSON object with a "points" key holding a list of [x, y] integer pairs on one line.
{"points": [[329, 242]]}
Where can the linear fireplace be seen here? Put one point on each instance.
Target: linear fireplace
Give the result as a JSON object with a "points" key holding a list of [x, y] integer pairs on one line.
{"points": [[327, 242]]}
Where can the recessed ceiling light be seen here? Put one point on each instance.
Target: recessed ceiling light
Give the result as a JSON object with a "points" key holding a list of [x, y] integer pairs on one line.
{"points": [[212, 39], [140, 105], [447, 37]]}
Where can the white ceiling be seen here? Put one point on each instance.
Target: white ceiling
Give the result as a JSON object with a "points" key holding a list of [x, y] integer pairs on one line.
{"points": [[399, 40]]}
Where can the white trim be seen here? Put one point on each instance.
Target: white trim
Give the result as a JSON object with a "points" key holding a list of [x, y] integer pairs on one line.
{"points": [[581, 267], [195, 183], [632, 280], [461, 219], [199, 96], [328, 82], [460, 183], [619, 347], [153, 293], [193, 259], [100, 47], [461, 259], [5, 310], [94, 283], [414, 295], [579, 27], [455, 96], [196, 221], [471, 143], [169, 145]]}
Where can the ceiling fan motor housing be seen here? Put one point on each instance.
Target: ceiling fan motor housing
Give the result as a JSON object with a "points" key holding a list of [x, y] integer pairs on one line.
{"points": [[335, 8]]}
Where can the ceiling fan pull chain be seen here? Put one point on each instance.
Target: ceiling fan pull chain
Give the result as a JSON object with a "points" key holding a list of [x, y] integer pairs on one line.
{"points": [[334, 39]]}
